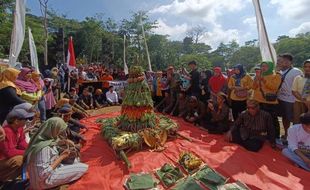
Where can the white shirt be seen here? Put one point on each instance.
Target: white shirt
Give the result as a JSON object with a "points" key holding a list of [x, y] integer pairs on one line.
{"points": [[298, 138], [112, 96], [285, 92]]}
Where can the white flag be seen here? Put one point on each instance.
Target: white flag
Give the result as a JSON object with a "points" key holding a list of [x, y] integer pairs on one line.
{"points": [[33, 52], [18, 33], [125, 64], [266, 48], [146, 47]]}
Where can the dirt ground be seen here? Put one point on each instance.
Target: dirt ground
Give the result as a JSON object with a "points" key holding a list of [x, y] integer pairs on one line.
{"points": [[104, 110]]}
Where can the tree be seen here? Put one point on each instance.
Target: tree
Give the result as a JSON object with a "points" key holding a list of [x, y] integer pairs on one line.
{"points": [[196, 33], [202, 60], [43, 8], [187, 45], [248, 56]]}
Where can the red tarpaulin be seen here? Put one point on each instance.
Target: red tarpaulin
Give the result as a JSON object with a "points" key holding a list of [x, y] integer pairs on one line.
{"points": [[267, 169]]}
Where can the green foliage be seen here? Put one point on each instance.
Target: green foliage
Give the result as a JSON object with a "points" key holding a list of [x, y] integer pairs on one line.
{"points": [[99, 39]]}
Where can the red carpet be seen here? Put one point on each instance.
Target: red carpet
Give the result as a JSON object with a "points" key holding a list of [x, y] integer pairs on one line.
{"points": [[267, 169]]}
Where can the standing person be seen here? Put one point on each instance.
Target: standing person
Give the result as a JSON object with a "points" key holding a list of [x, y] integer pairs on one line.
{"points": [[56, 85], [29, 89], [217, 83], [285, 95], [195, 79], [8, 92], [298, 138], [173, 82], [157, 86], [43, 159], [14, 145], [205, 90], [239, 84], [112, 96], [265, 89], [41, 103], [50, 101], [301, 91]]}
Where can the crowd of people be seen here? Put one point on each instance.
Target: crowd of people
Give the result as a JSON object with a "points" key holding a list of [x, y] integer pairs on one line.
{"points": [[41, 135], [245, 108]]}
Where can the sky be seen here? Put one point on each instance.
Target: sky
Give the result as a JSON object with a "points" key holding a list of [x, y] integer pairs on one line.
{"points": [[223, 20]]}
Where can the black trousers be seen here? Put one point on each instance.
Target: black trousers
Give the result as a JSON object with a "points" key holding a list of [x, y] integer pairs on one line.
{"points": [[237, 107], [272, 110], [253, 144]]}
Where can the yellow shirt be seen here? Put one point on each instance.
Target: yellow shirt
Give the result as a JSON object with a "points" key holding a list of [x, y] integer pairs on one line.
{"points": [[246, 82], [298, 86], [270, 84]]}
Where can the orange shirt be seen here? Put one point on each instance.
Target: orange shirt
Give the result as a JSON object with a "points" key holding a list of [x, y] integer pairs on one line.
{"points": [[106, 78]]}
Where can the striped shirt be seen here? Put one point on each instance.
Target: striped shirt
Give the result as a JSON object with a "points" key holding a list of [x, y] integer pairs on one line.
{"points": [[256, 125], [42, 176]]}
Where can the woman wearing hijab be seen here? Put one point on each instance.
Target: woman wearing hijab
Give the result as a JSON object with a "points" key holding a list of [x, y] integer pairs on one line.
{"points": [[36, 77], [28, 87], [265, 89], [8, 92], [44, 162], [217, 83], [239, 84]]}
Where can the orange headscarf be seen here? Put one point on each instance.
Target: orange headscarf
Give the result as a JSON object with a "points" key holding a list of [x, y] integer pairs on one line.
{"points": [[8, 77]]}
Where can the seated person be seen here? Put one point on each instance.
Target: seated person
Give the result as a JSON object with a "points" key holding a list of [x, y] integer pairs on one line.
{"points": [[86, 100], [78, 111], [13, 147], [112, 96], [99, 99], [45, 164], [218, 113], [299, 143], [72, 94], [180, 107], [251, 128], [196, 111], [74, 126], [165, 105]]}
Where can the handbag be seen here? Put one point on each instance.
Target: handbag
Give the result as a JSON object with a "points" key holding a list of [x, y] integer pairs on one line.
{"points": [[271, 97]]}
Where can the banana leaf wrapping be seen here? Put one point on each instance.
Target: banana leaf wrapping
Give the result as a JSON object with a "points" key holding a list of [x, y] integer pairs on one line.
{"points": [[118, 139], [168, 124], [138, 94], [187, 184], [169, 175], [210, 178]]}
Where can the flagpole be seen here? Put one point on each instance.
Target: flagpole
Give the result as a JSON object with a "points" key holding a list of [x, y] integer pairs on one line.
{"points": [[125, 64], [145, 43], [265, 31]]}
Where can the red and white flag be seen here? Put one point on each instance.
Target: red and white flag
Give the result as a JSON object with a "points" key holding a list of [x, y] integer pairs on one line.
{"points": [[71, 63]]}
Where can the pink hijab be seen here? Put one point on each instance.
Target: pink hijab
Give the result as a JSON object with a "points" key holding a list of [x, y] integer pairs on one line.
{"points": [[25, 84]]}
